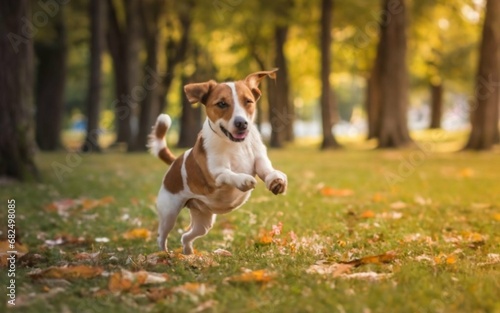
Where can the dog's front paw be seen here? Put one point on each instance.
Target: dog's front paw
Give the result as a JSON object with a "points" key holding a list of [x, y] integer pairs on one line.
{"points": [[277, 182], [245, 182]]}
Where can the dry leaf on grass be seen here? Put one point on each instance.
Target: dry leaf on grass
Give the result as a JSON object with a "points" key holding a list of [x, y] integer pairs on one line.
{"points": [[258, 276], [372, 276], [68, 272], [131, 281], [198, 289], [5, 248], [222, 252], [367, 214], [326, 268], [374, 259], [333, 192]]}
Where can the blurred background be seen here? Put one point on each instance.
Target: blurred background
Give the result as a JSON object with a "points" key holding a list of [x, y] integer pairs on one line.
{"points": [[89, 75]]}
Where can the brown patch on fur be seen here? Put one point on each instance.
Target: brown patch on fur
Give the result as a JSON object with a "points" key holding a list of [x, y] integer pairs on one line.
{"points": [[166, 156], [160, 130], [246, 97], [199, 179], [173, 179]]}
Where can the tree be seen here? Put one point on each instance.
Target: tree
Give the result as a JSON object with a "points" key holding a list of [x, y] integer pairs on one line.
{"points": [[327, 108], [151, 14], [124, 45], [388, 83], [50, 84], [16, 92], [279, 104], [484, 109], [97, 10]]}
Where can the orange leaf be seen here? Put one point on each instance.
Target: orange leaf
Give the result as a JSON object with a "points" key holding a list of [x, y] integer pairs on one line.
{"points": [[378, 197], [70, 272], [107, 200], [5, 247], [374, 259], [130, 281], [466, 172], [496, 216], [138, 233], [332, 192], [259, 276], [367, 214], [193, 288]]}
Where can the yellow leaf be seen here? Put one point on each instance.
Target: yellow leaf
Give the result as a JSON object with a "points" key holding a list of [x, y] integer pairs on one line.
{"points": [[258, 276], [138, 233], [70, 272], [496, 216]]}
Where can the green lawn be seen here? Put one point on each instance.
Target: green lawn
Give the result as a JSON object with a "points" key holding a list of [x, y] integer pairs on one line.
{"points": [[433, 216]]}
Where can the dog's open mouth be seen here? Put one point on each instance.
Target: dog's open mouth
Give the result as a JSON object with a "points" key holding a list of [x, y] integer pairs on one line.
{"points": [[238, 137]]}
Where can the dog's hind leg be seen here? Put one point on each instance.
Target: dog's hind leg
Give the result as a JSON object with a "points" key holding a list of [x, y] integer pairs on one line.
{"points": [[169, 206], [201, 223]]}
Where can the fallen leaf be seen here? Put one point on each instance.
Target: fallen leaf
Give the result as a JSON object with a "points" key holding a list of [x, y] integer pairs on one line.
{"points": [[398, 205], [367, 214], [131, 281], [5, 248], [332, 192], [374, 259], [204, 306], [157, 294], [69, 272], [85, 256], [372, 276], [222, 252], [422, 201], [138, 233], [194, 289], [258, 276], [326, 268], [496, 216], [466, 172], [378, 197]]}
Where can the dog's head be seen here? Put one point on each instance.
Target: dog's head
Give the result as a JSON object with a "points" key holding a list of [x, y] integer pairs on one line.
{"points": [[230, 106]]}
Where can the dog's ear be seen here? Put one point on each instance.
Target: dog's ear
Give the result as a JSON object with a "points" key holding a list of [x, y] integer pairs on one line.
{"points": [[199, 92], [253, 80]]}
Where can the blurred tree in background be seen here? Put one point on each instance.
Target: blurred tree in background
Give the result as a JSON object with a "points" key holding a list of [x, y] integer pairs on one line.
{"points": [[390, 66]]}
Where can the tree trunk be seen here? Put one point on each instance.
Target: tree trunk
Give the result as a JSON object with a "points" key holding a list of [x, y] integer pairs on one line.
{"points": [[190, 120], [124, 45], [327, 106], [149, 108], [97, 30], [176, 52], [392, 78], [50, 92], [16, 92], [436, 105], [280, 116], [484, 111]]}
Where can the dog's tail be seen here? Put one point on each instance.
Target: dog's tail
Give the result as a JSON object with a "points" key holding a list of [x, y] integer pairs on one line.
{"points": [[156, 140]]}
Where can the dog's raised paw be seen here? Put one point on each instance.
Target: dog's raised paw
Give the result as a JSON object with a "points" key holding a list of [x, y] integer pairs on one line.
{"points": [[246, 182], [277, 186]]}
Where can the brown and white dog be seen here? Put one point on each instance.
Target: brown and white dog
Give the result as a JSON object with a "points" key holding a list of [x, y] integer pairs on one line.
{"points": [[217, 175]]}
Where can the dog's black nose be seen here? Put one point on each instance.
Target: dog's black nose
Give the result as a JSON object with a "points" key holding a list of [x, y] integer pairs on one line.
{"points": [[240, 123]]}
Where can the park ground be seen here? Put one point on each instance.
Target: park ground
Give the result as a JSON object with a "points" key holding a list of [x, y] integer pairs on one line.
{"points": [[360, 230]]}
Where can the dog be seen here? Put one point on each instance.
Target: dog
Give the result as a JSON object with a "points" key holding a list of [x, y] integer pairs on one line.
{"points": [[217, 175]]}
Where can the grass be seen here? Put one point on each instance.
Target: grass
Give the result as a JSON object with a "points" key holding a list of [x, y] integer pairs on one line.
{"points": [[437, 212]]}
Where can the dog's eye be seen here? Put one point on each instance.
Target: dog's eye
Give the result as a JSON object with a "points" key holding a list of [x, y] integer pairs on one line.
{"points": [[248, 101], [222, 104]]}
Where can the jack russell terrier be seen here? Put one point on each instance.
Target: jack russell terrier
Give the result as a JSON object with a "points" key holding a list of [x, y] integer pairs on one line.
{"points": [[217, 175]]}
